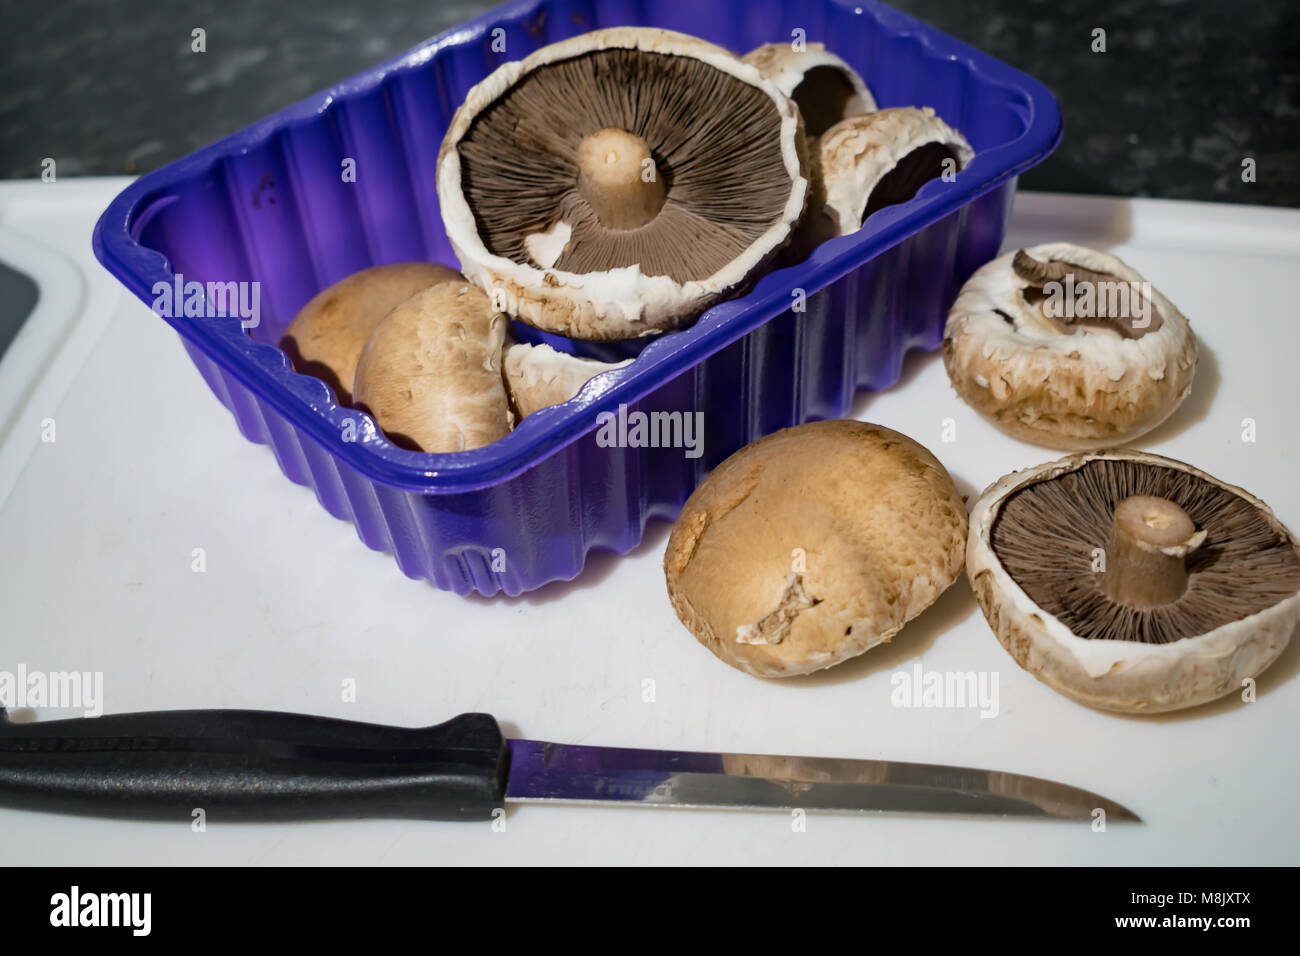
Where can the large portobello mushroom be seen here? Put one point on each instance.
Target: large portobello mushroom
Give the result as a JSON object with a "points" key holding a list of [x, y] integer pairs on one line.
{"points": [[813, 545], [1131, 582], [618, 183]]}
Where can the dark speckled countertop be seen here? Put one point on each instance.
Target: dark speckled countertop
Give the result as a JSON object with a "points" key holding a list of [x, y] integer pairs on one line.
{"points": [[1185, 91]]}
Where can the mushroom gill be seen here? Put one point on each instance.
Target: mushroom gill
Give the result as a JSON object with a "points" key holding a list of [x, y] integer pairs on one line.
{"points": [[649, 159], [1049, 536]]}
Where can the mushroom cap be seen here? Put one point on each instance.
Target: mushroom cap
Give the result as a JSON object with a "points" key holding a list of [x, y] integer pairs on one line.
{"points": [[812, 545], [1081, 391], [430, 374], [538, 376], [1130, 676], [882, 158], [327, 335], [824, 87], [507, 182]]}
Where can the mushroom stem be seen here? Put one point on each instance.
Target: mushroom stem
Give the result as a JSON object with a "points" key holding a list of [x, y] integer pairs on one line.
{"points": [[617, 176], [1146, 564]]}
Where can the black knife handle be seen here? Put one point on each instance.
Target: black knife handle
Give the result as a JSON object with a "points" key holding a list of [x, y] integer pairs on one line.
{"points": [[253, 765]]}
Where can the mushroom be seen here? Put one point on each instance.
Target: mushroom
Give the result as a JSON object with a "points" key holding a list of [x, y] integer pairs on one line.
{"points": [[1131, 582], [618, 183], [824, 87], [813, 545], [430, 375], [880, 159], [1068, 347], [538, 376], [327, 335]]}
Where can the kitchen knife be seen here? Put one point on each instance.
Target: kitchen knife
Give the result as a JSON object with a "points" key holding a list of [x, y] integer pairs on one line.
{"points": [[252, 765]]}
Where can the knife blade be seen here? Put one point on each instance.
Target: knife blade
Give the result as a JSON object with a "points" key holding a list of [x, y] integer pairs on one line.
{"points": [[259, 765], [565, 773]]}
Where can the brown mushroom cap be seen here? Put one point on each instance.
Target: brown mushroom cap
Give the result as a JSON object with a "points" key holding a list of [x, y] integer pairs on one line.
{"points": [[1057, 370], [539, 376], [812, 545], [1132, 582], [327, 335], [824, 87], [430, 374], [620, 182]]}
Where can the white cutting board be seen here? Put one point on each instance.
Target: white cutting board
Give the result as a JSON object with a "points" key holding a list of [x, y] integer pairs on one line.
{"points": [[98, 532]]}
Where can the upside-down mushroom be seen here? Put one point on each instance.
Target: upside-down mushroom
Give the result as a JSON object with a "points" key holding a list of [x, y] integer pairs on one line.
{"points": [[1131, 582], [618, 183]]}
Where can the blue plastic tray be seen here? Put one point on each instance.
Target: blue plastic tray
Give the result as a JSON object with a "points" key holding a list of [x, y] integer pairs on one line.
{"points": [[268, 204]]}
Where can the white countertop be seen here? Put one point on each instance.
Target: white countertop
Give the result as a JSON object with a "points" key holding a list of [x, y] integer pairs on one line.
{"points": [[99, 527]]}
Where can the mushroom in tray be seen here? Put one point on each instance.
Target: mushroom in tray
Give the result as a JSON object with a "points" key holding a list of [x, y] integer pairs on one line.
{"points": [[1131, 582], [430, 374], [1068, 347], [539, 376], [880, 159], [824, 87], [618, 183], [327, 335], [813, 545]]}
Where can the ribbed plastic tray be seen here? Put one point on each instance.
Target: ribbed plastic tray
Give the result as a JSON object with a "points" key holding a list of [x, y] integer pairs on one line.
{"points": [[269, 205]]}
